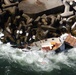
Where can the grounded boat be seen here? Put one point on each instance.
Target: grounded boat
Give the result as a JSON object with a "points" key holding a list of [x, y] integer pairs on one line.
{"points": [[48, 44], [59, 44]]}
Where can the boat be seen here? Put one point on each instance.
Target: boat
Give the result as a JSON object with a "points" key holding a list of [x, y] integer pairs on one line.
{"points": [[56, 44], [48, 44], [51, 44]]}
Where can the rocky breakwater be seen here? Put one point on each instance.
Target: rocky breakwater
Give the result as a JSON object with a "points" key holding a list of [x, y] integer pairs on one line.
{"points": [[21, 30]]}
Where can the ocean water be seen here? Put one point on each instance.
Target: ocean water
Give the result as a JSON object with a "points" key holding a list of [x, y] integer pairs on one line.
{"points": [[14, 61]]}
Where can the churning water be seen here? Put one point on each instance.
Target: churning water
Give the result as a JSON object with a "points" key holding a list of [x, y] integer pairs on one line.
{"points": [[14, 61]]}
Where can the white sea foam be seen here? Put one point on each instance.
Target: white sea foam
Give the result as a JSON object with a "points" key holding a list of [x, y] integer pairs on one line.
{"points": [[38, 60]]}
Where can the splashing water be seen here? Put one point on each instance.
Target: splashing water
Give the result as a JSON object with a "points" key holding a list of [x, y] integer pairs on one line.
{"points": [[38, 60]]}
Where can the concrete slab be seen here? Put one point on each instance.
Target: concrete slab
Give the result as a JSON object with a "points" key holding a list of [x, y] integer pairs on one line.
{"points": [[36, 6]]}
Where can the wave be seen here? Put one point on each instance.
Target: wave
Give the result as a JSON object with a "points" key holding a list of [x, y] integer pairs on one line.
{"points": [[38, 60]]}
